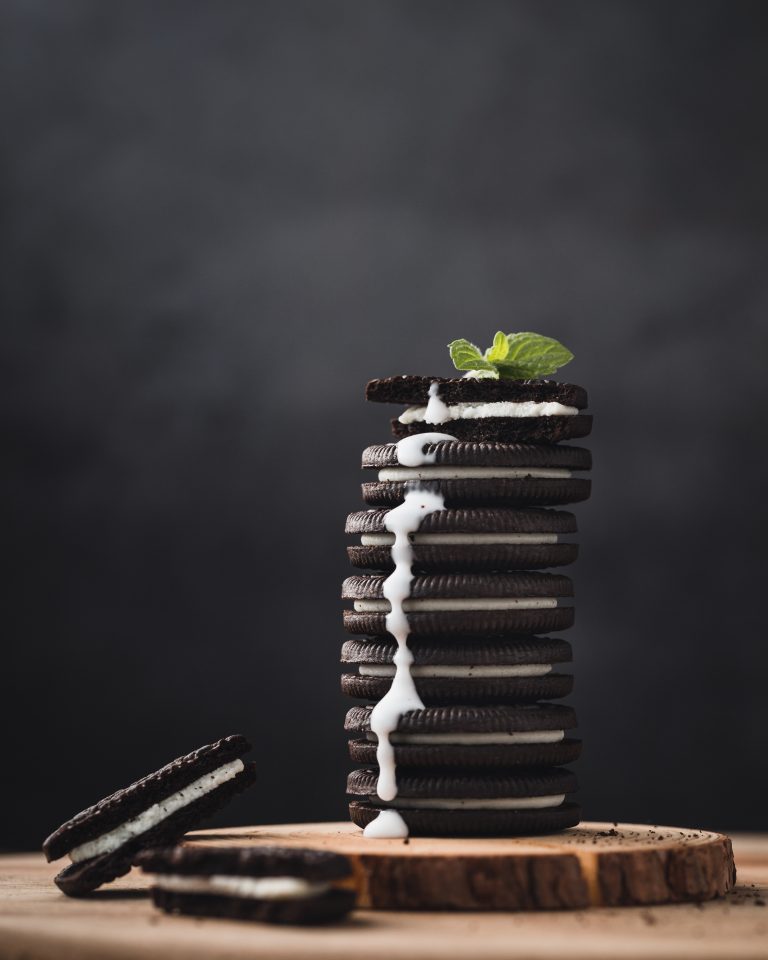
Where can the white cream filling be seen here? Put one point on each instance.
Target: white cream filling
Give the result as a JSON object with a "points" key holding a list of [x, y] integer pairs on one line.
{"points": [[468, 739], [472, 473], [251, 888], [436, 604], [155, 814], [459, 671], [479, 411], [493, 803], [471, 539]]}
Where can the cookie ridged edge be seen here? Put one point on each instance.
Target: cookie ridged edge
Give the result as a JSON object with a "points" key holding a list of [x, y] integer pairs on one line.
{"points": [[470, 520], [470, 585], [467, 453], [472, 719]]}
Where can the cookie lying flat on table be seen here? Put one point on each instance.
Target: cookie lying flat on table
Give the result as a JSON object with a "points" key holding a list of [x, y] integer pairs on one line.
{"points": [[270, 884], [468, 539], [496, 803], [480, 409], [472, 736], [492, 671], [481, 474], [464, 604], [103, 840]]}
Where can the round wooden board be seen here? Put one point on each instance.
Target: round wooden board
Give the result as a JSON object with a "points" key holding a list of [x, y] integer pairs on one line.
{"points": [[594, 864]]}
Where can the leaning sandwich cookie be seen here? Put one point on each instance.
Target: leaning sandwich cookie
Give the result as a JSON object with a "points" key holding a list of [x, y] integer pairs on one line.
{"points": [[289, 885], [103, 840]]}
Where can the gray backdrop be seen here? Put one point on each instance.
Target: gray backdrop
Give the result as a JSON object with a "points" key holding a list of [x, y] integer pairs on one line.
{"points": [[222, 218]]}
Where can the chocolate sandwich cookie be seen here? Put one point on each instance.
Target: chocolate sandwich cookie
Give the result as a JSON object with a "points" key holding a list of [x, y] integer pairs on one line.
{"points": [[469, 474], [495, 671], [497, 803], [472, 736], [486, 409], [464, 604], [469, 539], [103, 840], [271, 884]]}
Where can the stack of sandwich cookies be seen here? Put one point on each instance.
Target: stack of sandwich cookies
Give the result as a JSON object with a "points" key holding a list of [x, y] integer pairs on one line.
{"points": [[288, 885], [452, 612], [103, 841]]}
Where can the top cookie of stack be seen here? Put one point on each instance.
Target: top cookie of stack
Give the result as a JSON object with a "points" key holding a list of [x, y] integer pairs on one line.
{"points": [[452, 621], [485, 409]]}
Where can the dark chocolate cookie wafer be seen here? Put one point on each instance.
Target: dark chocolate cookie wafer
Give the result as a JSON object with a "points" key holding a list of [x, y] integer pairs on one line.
{"points": [[464, 604], [492, 804], [414, 391], [467, 736], [156, 810], [495, 671], [482, 474], [469, 539], [286, 885]]}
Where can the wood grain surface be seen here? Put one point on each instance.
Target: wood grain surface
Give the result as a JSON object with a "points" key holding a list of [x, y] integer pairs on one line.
{"points": [[594, 864], [38, 923]]}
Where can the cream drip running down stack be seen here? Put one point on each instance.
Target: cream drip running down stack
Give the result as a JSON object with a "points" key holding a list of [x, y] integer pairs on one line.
{"points": [[455, 651]]}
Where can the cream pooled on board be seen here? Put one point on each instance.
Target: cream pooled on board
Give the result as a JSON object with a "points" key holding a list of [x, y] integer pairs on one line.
{"points": [[402, 695]]}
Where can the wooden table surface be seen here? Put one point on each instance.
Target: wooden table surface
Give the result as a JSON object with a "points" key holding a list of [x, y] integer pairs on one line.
{"points": [[118, 923]]}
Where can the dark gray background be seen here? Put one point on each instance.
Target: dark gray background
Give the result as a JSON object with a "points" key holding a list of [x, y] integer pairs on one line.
{"points": [[220, 219]]}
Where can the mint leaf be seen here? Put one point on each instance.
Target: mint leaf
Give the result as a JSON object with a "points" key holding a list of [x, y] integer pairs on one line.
{"points": [[531, 355], [513, 356], [500, 348], [466, 356]]}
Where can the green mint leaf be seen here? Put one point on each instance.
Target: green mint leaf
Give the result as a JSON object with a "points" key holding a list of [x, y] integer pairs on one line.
{"points": [[513, 356], [500, 348], [466, 356], [531, 355]]}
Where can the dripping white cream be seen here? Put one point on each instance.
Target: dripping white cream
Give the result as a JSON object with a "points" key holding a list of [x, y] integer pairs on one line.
{"points": [[402, 696]]}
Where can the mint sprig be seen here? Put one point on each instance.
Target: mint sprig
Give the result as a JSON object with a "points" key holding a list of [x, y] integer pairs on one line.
{"points": [[512, 356]]}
